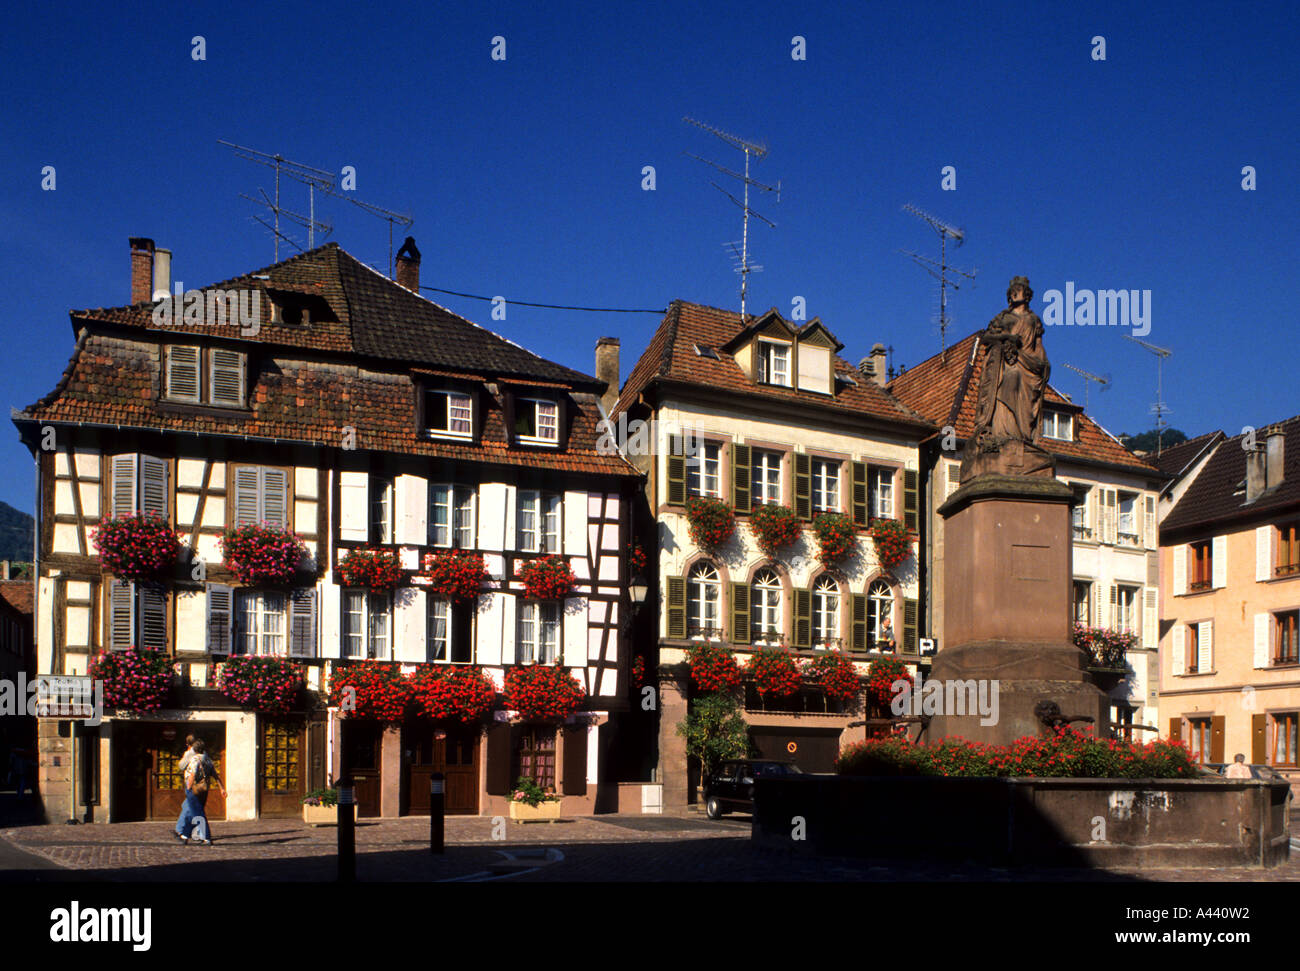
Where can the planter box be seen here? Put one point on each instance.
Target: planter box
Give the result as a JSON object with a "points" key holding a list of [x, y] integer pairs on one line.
{"points": [[320, 815], [548, 811]]}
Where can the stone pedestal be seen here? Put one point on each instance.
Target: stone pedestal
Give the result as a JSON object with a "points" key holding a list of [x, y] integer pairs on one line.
{"points": [[1007, 588]]}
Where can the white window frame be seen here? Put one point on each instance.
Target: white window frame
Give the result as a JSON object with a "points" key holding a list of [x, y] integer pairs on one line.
{"points": [[1133, 513], [825, 613], [458, 502], [381, 494], [880, 491], [538, 438], [268, 634], [1087, 604], [825, 475], [539, 632], [768, 372], [765, 476], [376, 610], [765, 608], [876, 615], [1128, 610], [704, 470], [704, 598], [1058, 425], [445, 645], [451, 401], [539, 521]]}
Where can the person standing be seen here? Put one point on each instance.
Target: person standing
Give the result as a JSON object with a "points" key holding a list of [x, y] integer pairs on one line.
{"points": [[199, 776]]}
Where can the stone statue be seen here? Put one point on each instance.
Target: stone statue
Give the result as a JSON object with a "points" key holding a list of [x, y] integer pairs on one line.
{"points": [[1009, 409]]}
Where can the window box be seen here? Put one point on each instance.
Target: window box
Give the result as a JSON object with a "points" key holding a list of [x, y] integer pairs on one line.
{"points": [[547, 811], [320, 815]]}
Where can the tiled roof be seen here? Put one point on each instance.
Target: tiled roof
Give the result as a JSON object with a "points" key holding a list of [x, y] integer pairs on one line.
{"points": [[1175, 459], [944, 389], [671, 355], [19, 594], [1214, 496], [353, 365], [368, 315]]}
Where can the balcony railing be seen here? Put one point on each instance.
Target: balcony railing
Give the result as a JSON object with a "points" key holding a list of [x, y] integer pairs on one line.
{"points": [[1129, 539], [1082, 532], [1286, 569], [828, 643], [704, 633], [1199, 585]]}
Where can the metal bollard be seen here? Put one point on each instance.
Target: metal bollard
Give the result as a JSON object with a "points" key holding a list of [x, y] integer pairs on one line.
{"points": [[347, 835], [437, 812]]}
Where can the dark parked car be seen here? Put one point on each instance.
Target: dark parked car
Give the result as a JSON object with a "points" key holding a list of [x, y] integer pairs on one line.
{"points": [[731, 786], [1257, 771]]}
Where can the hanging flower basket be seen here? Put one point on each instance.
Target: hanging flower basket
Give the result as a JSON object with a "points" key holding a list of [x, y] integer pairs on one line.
{"points": [[713, 668], [548, 578], [543, 692], [134, 680], [881, 675], [267, 684], [837, 538], [893, 542], [376, 570], [137, 547], [636, 560], [711, 521], [455, 575], [775, 527], [1106, 648], [461, 693], [370, 689], [775, 672], [834, 674], [262, 555], [638, 671]]}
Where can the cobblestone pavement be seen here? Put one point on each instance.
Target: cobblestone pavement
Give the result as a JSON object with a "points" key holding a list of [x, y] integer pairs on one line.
{"points": [[604, 848]]}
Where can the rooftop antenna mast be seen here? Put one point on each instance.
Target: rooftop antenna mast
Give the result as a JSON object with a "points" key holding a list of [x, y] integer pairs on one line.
{"points": [[1159, 409], [1103, 381], [388, 215], [309, 175], [941, 269], [758, 151]]}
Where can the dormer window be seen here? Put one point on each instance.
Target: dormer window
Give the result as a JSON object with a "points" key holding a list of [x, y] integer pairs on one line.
{"points": [[289, 313], [537, 421], [1058, 425], [449, 414], [773, 362], [212, 376]]}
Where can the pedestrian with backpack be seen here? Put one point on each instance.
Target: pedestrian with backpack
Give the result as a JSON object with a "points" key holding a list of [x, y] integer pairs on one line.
{"points": [[199, 775], [182, 822]]}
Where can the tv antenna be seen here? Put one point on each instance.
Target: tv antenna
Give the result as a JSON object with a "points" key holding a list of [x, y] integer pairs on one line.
{"points": [[315, 179], [1089, 376], [757, 151], [940, 270], [1159, 409]]}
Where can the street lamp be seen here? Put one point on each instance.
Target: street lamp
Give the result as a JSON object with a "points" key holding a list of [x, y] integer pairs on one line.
{"points": [[637, 590]]}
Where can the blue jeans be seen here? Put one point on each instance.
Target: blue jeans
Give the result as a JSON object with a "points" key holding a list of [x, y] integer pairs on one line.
{"points": [[192, 809]]}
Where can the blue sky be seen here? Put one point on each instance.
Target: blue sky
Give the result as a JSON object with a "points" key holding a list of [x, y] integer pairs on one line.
{"points": [[524, 175]]}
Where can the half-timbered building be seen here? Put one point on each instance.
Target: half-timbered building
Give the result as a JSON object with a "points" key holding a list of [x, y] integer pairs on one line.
{"points": [[323, 398], [763, 411]]}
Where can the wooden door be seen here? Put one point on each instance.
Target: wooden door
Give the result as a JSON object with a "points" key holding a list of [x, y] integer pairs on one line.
{"points": [[165, 787], [363, 740], [283, 767], [450, 749], [130, 761]]}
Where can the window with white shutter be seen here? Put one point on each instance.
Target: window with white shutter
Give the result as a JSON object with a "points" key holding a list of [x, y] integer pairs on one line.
{"points": [[1178, 650], [302, 623], [1263, 627], [538, 526], [1205, 647], [226, 378], [261, 495], [1219, 565], [367, 625], [182, 373]]}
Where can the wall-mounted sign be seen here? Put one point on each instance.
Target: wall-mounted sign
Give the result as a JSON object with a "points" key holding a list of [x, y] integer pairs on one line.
{"points": [[792, 747]]}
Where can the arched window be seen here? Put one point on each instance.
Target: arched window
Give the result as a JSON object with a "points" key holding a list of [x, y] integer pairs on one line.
{"points": [[826, 613], [765, 608], [704, 589], [880, 617]]}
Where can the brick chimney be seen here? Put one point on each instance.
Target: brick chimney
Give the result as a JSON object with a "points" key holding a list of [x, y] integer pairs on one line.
{"points": [[142, 252], [607, 370], [878, 364], [408, 265]]}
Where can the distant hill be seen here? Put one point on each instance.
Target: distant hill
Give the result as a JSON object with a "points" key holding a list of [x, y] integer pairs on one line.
{"points": [[16, 531], [1146, 442]]}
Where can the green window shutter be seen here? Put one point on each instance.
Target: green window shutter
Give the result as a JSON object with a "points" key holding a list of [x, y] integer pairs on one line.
{"points": [[802, 485], [739, 613], [910, 610], [910, 497], [676, 490], [676, 606], [858, 637], [861, 511], [740, 490], [803, 618]]}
